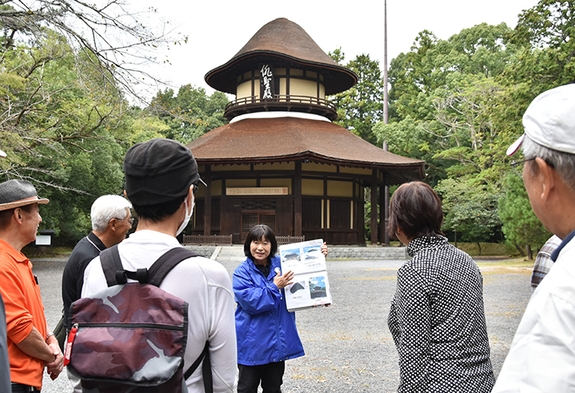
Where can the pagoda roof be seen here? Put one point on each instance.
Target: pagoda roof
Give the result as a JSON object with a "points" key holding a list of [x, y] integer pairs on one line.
{"points": [[284, 44], [283, 139]]}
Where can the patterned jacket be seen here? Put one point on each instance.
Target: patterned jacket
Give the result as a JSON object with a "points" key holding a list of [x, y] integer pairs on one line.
{"points": [[437, 321]]}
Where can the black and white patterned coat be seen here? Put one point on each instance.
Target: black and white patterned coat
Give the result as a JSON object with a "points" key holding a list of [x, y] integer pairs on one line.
{"points": [[437, 321]]}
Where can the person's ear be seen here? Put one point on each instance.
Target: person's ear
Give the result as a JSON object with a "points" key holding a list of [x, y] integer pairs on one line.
{"points": [[546, 177], [18, 214]]}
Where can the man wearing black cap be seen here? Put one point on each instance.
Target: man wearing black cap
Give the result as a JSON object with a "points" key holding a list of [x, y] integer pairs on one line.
{"points": [[542, 354], [30, 345], [161, 176]]}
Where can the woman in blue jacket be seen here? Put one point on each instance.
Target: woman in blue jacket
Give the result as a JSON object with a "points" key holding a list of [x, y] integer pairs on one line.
{"points": [[266, 331]]}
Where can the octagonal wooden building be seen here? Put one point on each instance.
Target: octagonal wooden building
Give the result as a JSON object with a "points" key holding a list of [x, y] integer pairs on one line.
{"points": [[281, 161]]}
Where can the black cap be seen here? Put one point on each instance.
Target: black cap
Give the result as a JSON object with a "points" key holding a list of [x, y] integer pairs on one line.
{"points": [[158, 171]]}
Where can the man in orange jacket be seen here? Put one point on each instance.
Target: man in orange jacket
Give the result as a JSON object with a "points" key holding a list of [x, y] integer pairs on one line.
{"points": [[31, 346]]}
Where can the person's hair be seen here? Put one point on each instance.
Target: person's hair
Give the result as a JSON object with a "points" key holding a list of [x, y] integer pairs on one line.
{"points": [[107, 207], [564, 163], [157, 213], [258, 233], [416, 209], [6, 215]]}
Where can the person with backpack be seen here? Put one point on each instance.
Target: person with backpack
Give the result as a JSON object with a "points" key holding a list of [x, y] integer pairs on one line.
{"points": [[161, 176]]}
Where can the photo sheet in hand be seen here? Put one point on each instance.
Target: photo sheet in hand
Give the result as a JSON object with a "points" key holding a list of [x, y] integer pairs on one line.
{"points": [[310, 286]]}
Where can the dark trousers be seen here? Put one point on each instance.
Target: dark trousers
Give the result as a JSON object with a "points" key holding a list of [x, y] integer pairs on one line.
{"points": [[19, 388], [270, 375]]}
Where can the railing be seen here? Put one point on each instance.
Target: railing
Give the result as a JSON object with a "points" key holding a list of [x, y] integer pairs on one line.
{"points": [[307, 104], [208, 240], [289, 239], [294, 99]]}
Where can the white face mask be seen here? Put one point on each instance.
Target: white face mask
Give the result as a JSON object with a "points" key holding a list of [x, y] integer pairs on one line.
{"points": [[184, 224]]}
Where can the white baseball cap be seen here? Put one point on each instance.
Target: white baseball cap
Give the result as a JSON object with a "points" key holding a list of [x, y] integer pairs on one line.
{"points": [[550, 120]]}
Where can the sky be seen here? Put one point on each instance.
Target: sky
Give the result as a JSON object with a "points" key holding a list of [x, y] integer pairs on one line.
{"points": [[217, 30]]}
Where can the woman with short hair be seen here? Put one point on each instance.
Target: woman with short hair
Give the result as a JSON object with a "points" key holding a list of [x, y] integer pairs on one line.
{"points": [[437, 317]]}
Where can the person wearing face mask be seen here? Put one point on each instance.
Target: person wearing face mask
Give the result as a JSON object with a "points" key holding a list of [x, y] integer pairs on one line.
{"points": [[161, 177]]}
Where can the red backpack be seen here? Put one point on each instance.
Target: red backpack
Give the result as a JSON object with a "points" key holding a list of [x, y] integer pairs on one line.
{"points": [[132, 336]]}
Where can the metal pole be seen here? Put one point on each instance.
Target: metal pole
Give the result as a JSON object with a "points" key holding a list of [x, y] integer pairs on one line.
{"points": [[385, 107], [385, 119]]}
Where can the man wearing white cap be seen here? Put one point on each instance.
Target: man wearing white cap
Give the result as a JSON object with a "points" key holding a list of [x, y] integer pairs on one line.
{"points": [[542, 355], [30, 345]]}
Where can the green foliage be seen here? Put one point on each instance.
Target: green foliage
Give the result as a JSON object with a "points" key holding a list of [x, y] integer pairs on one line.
{"points": [[189, 114], [458, 103], [470, 209], [361, 107], [521, 225]]}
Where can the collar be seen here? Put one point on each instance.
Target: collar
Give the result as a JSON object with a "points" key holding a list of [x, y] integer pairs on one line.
{"points": [[18, 256], [95, 241], [420, 243], [555, 253]]}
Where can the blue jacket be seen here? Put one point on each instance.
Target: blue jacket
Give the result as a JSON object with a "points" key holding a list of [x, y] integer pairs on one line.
{"points": [[266, 330]]}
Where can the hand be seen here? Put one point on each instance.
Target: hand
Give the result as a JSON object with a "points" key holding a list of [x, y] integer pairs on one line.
{"points": [[55, 367], [283, 281], [324, 249]]}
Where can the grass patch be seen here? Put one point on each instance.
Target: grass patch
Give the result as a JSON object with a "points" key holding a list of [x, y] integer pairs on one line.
{"points": [[487, 249]]}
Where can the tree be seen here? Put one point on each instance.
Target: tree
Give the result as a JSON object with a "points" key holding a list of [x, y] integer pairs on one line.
{"points": [[190, 113], [361, 107], [522, 227], [119, 43]]}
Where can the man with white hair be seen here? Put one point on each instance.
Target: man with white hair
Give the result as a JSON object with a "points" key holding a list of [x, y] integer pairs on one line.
{"points": [[111, 221], [542, 355]]}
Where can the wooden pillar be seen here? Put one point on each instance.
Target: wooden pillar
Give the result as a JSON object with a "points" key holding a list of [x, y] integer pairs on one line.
{"points": [[374, 201], [207, 177], [297, 205], [383, 238]]}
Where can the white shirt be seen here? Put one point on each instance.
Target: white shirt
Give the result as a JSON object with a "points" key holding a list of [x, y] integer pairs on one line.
{"points": [[205, 284], [542, 354]]}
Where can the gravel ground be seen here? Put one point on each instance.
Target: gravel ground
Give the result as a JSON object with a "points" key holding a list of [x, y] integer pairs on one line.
{"points": [[348, 345]]}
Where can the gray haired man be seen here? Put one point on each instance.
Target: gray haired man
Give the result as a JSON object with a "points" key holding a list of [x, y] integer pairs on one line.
{"points": [[542, 354]]}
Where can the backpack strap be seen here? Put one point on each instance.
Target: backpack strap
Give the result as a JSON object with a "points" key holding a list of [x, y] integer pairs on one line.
{"points": [[206, 369], [116, 274], [112, 264], [166, 263]]}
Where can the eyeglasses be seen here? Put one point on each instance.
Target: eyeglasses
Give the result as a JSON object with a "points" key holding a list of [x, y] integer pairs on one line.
{"points": [[515, 163], [195, 189], [130, 219]]}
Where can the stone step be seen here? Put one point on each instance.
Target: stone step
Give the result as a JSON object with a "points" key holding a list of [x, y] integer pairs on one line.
{"points": [[236, 253]]}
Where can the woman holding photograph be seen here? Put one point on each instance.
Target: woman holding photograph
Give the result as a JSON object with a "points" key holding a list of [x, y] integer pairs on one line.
{"points": [[266, 331], [437, 317]]}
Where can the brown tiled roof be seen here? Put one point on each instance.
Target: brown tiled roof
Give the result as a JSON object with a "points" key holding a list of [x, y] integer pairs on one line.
{"points": [[282, 43], [292, 139]]}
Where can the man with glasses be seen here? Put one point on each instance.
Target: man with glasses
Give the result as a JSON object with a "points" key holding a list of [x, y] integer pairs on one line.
{"points": [[111, 221], [542, 355]]}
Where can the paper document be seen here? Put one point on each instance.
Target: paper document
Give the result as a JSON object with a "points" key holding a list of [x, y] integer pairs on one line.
{"points": [[310, 286]]}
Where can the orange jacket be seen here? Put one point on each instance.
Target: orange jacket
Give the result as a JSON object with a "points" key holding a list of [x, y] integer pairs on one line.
{"points": [[24, 310]]}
